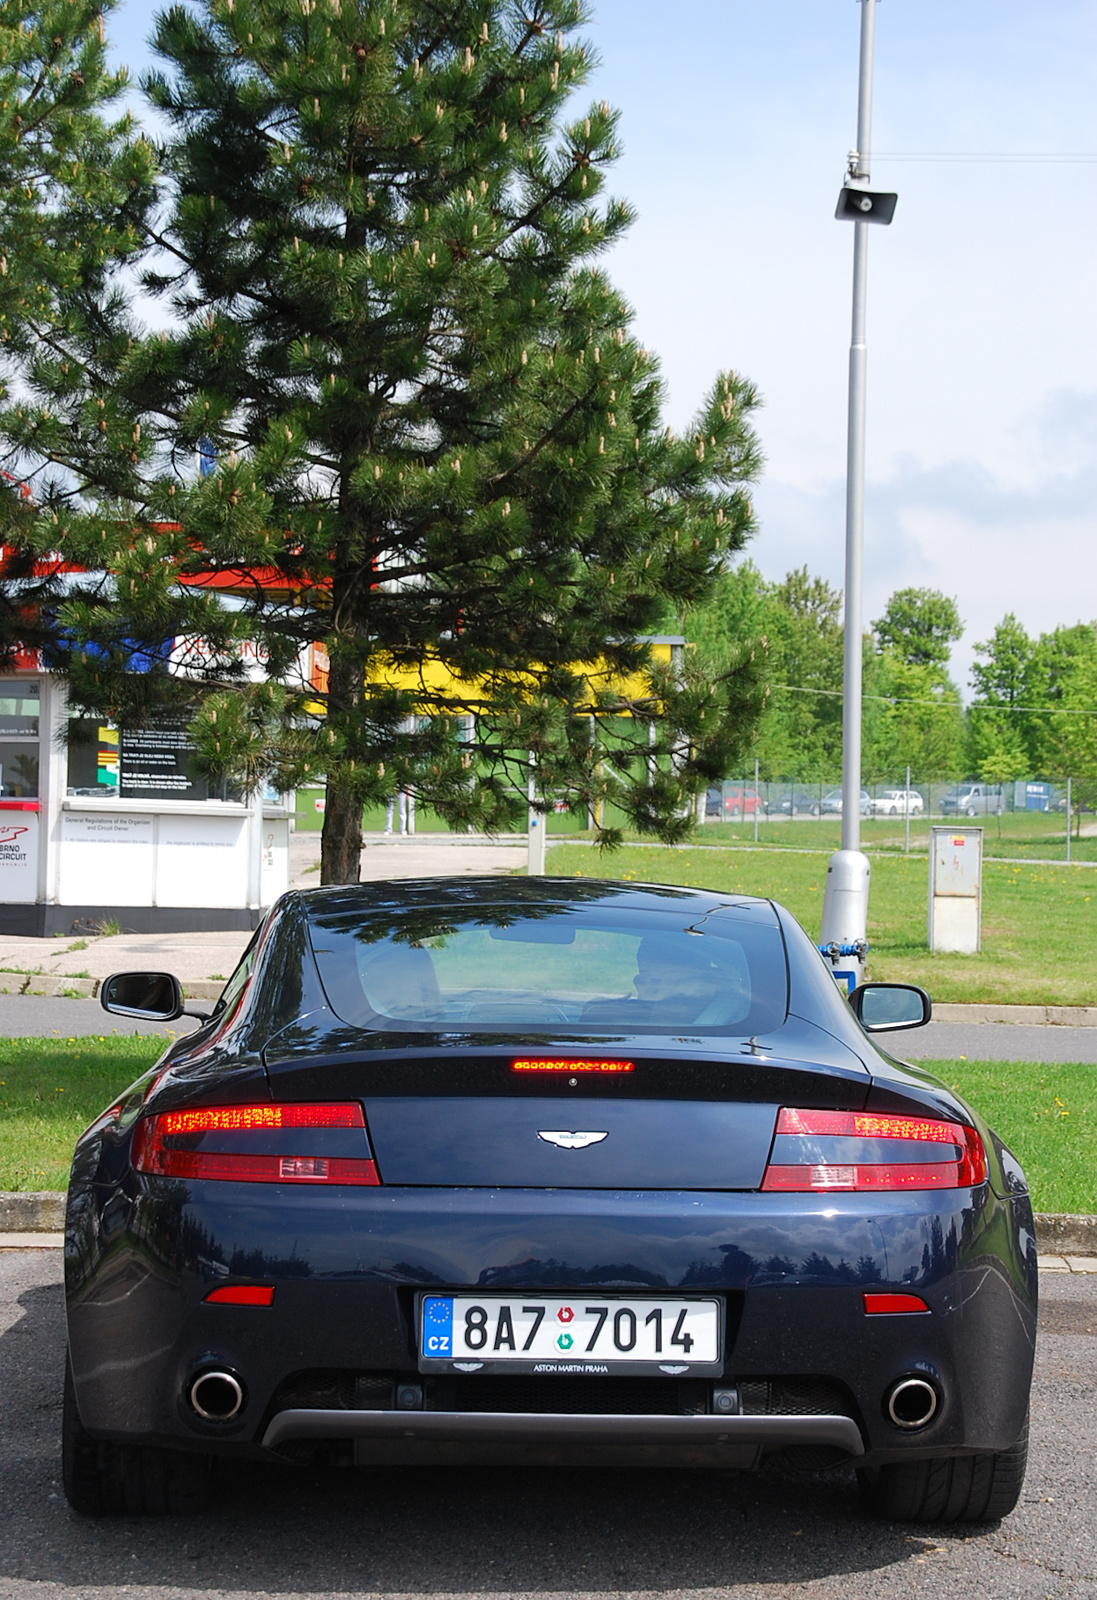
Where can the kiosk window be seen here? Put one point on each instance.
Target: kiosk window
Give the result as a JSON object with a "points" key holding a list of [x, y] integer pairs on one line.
{"points": [[92, 757], [19, 709], [18, 770]]}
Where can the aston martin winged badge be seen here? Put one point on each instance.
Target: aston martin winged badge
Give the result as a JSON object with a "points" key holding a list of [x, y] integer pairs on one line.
{"points": [[572, 1141]]}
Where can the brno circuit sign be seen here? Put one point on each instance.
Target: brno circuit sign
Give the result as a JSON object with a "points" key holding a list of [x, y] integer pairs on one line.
{"points": [[18, 857]]}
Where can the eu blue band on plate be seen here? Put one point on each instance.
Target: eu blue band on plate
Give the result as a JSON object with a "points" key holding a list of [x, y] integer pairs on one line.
{"points": [[437, 1326]]}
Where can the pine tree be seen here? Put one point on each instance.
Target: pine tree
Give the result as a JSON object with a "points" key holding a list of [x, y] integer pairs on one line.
{"points": [[75, 185], [438, 441]]}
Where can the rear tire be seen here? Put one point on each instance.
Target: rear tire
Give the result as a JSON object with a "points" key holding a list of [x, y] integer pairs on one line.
{"points": [[980, 1488], [105, 1479]]}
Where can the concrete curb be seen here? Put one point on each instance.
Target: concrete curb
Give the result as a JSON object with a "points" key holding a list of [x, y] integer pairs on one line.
{"points": [[1042, 1016], [1066, 1235], [44, 1212], [48, 984], [56, 984]]}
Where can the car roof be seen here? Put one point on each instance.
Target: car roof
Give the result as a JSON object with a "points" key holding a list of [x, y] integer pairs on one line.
{"points": [[468, 893]]}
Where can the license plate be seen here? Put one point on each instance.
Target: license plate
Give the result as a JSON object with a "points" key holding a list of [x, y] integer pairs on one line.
{"points": [[579, 1333]]}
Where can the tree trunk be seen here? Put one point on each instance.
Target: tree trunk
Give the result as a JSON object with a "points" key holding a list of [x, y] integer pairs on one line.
{"points": [[341, 839]]}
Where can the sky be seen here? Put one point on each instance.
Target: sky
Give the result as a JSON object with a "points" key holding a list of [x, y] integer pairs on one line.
{"points": [[736, 119]]}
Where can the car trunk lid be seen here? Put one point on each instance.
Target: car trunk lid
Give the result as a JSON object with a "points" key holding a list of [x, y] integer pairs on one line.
{"points": [[568, 1116]]}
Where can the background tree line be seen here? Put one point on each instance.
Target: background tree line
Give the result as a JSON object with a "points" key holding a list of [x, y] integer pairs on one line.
{"points": [[1032, 713]]}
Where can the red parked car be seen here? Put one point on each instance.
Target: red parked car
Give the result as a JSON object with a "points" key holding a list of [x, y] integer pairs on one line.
{"points": [[733, 803]]}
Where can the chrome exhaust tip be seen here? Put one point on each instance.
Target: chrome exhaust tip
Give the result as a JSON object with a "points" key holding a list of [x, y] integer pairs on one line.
{"points": [[911, 1403], [216, 1395]]}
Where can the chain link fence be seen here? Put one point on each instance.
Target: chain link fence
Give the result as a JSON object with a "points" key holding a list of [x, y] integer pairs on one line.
{"points": [[781, 799]]}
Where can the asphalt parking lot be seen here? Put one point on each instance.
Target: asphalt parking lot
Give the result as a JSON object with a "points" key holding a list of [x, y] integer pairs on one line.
{"points": [[281, 1531]]}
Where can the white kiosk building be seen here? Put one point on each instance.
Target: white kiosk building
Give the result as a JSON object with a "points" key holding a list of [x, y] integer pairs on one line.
{"points": [[97, 827]]}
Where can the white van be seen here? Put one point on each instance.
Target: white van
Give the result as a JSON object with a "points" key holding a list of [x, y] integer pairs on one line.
{"points": [[973, 799]]}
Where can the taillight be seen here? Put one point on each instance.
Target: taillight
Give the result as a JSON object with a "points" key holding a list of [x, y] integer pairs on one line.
{"points": [[830, 1151], [257, 1144]]}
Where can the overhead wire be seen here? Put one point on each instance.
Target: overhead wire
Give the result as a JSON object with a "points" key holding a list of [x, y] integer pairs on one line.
{"points": [[944, 705], [1019, 157]]}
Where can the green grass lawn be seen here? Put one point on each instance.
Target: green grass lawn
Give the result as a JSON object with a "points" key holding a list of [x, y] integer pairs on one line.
{"points": [[51, 1089], [1045, 1113], [1039, 923], [1039, 835]]}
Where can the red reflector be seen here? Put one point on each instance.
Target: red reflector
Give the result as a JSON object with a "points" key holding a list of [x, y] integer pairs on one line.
{"points": [[242, 1294], [552, 1064], [892, 1305]]}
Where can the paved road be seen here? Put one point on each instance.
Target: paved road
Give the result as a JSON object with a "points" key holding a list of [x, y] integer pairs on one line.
{"points": [[996, 1041], [24, 1015], [280, 1531], [987, 1041]]}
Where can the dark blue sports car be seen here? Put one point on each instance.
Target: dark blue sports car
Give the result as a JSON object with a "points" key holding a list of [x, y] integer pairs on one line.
{"points": [[544, 1170]]}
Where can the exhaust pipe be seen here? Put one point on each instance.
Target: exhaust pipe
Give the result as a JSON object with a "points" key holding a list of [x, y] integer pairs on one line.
{"points": [[216, 1395], [911, 1403]]}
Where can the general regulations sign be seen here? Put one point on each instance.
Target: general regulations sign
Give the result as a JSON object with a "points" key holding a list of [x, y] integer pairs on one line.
{"points": [[154, 764]]}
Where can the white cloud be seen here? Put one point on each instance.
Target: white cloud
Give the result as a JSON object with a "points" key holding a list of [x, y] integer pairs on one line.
{"points": [[993, 542], [982, 319]]}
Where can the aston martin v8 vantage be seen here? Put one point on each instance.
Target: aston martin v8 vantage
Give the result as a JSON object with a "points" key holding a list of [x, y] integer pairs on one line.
{"points": [[546, 1170]]}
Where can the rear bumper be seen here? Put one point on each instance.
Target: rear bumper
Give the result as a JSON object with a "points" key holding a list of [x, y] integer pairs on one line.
{"points": [[734, 1438], [346, 1266]]}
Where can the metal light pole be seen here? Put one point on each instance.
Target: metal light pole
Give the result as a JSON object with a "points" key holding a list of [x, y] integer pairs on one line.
{"points": [[845, 901]]}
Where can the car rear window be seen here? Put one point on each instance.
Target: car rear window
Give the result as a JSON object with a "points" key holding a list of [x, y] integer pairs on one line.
{"points": [[553, 970]]}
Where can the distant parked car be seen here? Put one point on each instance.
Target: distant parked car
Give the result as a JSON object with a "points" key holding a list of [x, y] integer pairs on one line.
{"points": [[973, 799], [795, 800], [741, 802], [898, 803], [831, 804], [733, 804]]}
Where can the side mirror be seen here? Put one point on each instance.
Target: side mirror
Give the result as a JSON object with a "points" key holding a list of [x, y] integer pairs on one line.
{"points": [[889, 1007], [151, 996]]}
